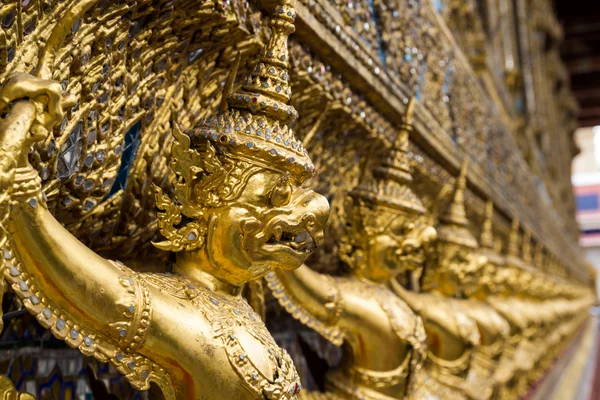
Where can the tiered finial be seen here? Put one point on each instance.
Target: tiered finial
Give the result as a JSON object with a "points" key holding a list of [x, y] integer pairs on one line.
{"points": [[453, 222], [269, 81], [513, 239], [526, 247], [455, 213], [487, 235], [538, 257], [396, 166], [390, 186], [491, 246], [254, 121]]}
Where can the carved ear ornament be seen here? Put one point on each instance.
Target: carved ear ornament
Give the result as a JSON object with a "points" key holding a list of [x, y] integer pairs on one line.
{"points": [[189, 237]]}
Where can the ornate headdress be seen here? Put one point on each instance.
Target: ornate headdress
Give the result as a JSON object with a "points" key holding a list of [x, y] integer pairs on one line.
{"points": [[453, 226], [389, 190], [250, 132], [513, 240], [390, 186], [526, 247], [487, 236], [253, 123]]}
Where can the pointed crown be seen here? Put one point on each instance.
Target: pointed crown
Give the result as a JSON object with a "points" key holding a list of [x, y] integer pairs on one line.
{"points": [[490, 246], [214, 162], [253, 122], [487, 234], [526, 247], [390, 185], [538, 256], [453, 226], [513, 239]]}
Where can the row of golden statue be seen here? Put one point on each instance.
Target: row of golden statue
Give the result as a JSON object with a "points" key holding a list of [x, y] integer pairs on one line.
{"points": [[424, 313]]}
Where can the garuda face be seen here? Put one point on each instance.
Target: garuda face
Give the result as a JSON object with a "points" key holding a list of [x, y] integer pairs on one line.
{"points": [[388, 242], [456, 270], [481, 283], [411, 235], [273, 223], [238, 215]]}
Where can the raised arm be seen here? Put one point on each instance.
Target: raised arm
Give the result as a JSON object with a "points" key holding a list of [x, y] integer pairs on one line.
{"points": [[96, 305], [42, 261], [365, 316], [312, 298], [98, 293], [340, 309]]}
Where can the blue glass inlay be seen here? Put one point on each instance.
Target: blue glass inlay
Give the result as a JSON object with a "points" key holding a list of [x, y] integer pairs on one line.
{"points": [[46, 386], [519, 104], [447, 79], [131, 144], [380, 51], [24, 374], [381, 54]]}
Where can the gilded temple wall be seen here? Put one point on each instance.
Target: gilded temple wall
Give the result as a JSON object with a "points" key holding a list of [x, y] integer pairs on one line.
{"points": [[441, 137]]}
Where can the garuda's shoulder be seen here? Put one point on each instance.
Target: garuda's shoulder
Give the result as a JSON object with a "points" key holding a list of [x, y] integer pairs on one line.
{"points": [[173, 285]]}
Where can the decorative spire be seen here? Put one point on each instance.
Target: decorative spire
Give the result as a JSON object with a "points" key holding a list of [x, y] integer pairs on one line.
{"points": [[390, 186], [538, 257], [526, 247], [453, 222], [487, 235], [254, 122], [396, 165], [268, 83], [513, 239], [491, 247], [455, 213]]}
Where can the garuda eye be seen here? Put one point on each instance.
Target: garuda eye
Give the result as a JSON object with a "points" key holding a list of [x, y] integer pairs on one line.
{"points": [[282, 191]]}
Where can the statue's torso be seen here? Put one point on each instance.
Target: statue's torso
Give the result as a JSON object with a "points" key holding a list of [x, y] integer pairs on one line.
{"points": [[494, 331], [367, 317], [216, 345], [406, 337], [493, 328], [513, 313], [451, 334]]}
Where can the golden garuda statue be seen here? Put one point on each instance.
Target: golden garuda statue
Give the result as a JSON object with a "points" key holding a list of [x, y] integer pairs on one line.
{"points": [[462, 276], [383, 233], [164, 134], [237, 212], [452, 336]]}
